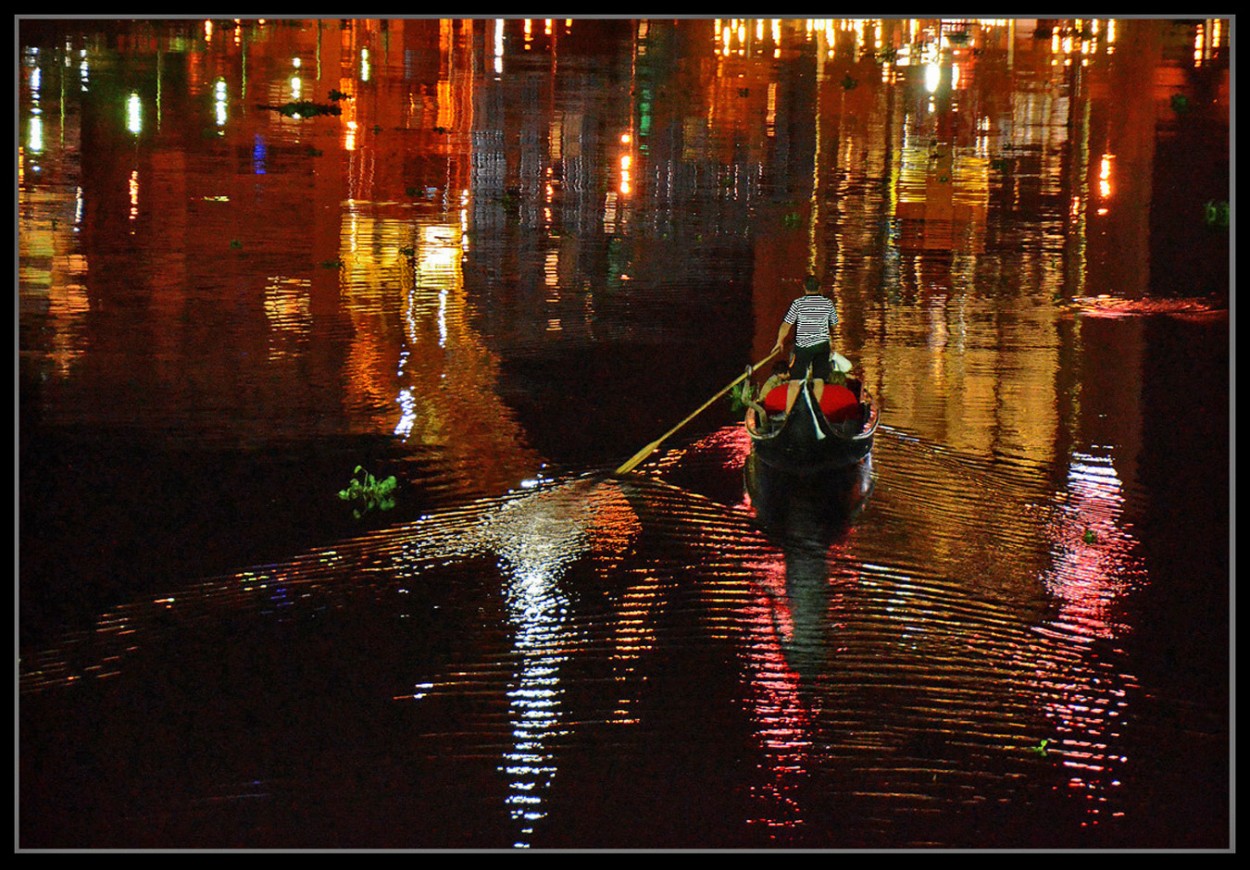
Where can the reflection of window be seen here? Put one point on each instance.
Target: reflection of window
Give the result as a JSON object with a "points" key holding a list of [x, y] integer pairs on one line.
{"points": [[259, 152]]}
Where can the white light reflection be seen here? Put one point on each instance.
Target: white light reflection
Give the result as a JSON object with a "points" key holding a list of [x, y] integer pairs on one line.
{"points": [[220, 102], [407, 413], [134, 114], [543, 530], [34, 135], [442, 318], [498, 45], [538, 537]]}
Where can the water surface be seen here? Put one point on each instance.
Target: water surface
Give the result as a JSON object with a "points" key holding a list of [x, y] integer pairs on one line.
{"points": [[504, 257]]}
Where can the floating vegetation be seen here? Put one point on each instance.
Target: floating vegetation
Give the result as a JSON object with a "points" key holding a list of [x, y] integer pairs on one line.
{"points": [[235, 244], [1217, 213], [337, 95], [1090, 537], [335, 263], [368, 493], [1040, 749], [303, 109], [848, 83], [791, 220], [1180, 104]]}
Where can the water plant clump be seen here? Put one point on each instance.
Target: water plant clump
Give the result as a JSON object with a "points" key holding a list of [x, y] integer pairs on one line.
{"points": [[368, 493], [1216, 213]]}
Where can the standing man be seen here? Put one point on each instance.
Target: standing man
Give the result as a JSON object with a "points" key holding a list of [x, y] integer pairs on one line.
{"points": [[812, 317]]}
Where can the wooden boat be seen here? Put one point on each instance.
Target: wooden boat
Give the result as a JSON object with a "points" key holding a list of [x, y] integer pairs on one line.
{"points": [[835, 432]]}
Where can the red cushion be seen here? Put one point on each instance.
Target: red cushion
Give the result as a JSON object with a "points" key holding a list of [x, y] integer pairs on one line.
{"points": [[775, 401], [837, 402]]}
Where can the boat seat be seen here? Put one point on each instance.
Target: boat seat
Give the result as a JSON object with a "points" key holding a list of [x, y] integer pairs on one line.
{"points": [[837, 402]]}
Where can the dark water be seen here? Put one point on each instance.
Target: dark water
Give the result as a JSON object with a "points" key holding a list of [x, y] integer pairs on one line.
{"points": [[514, 254]]}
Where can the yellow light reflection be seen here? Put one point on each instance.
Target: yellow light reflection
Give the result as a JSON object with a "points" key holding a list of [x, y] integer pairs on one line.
{"points": [[1104, 175], [551, 271], [609, 212], [770, 112], [133, 185], [288, 309], [438, 253]]}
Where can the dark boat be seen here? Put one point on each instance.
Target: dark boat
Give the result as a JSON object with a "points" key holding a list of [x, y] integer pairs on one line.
{"points": [[813, 508], [815, 436]]}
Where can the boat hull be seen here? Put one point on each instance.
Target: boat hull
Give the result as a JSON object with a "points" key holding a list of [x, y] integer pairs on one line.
{"points": [[814, 507], [805, 441]]}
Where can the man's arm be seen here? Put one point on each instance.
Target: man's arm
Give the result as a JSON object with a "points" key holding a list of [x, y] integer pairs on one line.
{"points": [[782, 334]]}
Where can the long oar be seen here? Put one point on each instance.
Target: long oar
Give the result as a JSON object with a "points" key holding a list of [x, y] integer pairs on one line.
{"points": [[654, 445]]}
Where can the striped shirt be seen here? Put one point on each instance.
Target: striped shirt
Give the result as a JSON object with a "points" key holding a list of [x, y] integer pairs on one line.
{"points": [[814, 316]]}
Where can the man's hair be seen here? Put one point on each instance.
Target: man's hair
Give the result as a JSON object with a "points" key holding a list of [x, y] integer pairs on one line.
{"points": [[811, 284]]}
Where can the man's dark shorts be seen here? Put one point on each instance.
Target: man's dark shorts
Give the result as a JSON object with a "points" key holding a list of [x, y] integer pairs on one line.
{"points": [[816, 356]]}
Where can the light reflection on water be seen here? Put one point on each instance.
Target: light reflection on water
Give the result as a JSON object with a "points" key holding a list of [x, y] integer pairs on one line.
{"points": [[895, 689], [517, 255]]}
